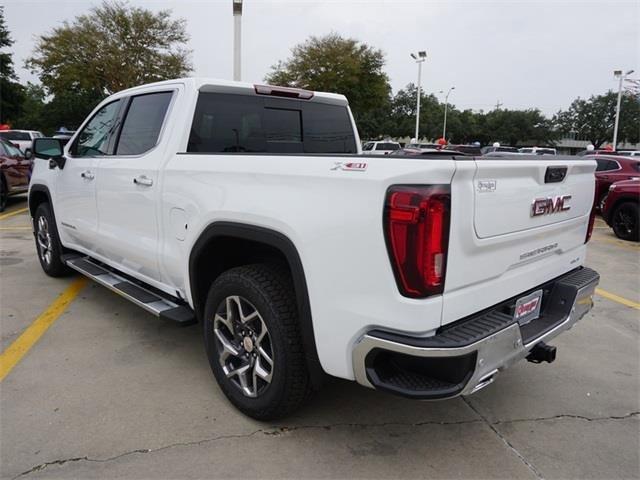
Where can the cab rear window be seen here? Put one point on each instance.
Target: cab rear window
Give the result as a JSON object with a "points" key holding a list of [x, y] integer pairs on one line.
{"points": [[225, 123]]}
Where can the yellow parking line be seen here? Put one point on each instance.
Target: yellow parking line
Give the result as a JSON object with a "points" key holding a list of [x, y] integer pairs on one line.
{"points": [[617, 298], [19, 348], [8, 229], [15, 212]]}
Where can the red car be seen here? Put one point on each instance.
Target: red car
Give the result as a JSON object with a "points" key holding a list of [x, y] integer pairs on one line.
{"points": [[15, 172], [612, 169], [621, 209]]}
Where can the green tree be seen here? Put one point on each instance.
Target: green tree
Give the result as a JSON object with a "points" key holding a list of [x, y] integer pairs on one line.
{"points": [[342, 65], [518, 126], [114, 47], [11, 92], [403, 114], [593, 119], [33, 109]]}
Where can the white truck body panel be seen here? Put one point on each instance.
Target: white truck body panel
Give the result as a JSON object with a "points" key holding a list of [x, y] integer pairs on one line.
{"points": [[332, 216]]}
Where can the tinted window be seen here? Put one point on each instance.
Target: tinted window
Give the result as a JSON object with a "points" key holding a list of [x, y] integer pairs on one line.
{"points": [[368, 146], [94, 137], [18, 136], [606, 165], [387, 146], [327, 129], [243, 123], [283, 125], [141, 127], [636, 166]]}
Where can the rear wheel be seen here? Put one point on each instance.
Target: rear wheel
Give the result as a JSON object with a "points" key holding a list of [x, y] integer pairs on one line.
{"points": [[625, 221], [253, 341], [48, 243]]}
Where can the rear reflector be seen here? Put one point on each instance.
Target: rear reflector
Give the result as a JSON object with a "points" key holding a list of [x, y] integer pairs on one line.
{"points": [[283, 92], [416, 226]]}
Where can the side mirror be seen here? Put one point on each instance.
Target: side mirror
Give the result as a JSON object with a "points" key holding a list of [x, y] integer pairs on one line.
{"points": [[28, 154], [50, 149]]}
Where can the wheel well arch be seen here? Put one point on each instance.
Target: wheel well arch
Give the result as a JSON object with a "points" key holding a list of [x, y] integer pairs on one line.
{"points": [[620, 201], [38, 194], [225, 245], [629, 199]]}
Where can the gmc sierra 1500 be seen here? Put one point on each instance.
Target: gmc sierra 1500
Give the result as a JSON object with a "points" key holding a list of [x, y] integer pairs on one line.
{"points": [[251, 209]]}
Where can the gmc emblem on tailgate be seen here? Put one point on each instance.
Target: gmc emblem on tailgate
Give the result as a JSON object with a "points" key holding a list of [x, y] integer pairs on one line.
{"points": [[548, 205]]}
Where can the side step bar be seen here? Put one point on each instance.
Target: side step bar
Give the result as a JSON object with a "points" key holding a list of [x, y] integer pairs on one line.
{"points": [[160, 305]]}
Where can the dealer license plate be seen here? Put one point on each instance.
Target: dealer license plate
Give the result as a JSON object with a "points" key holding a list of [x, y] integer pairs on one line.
{"points": [[528, 308]]}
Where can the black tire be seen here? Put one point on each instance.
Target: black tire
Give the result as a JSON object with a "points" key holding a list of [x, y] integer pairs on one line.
{"points": [[268, 290], [4, 194], [48, 243], [625, 221]]}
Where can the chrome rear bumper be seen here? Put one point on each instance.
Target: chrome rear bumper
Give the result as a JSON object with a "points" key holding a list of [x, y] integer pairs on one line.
{"points": [[485, 343]]}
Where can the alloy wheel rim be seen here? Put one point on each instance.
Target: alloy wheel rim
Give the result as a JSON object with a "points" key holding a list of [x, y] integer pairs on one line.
{"points": [[245, 352], [44, 240]]}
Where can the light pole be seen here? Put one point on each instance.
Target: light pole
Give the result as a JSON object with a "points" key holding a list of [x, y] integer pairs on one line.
{"points": [[446, 105], [237, 39], [420, 58], [621, 77]]}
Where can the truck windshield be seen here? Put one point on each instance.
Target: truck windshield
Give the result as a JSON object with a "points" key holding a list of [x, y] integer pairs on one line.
{"points": [[246, 123]]}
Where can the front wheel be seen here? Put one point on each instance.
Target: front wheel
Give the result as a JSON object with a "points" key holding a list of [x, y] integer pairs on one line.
{"points": [[48, 243], [625, 221], [253, 343]]}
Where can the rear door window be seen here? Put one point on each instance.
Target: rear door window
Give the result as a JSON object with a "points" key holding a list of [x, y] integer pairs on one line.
{"points": [[143, 122], [244, 123]]}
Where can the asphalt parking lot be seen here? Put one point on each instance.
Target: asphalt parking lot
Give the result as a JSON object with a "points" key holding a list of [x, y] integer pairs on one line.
{"points": [[111, 391]]}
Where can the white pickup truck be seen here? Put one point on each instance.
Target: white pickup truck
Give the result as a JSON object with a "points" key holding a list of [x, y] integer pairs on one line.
{"points": [[251, 210]]}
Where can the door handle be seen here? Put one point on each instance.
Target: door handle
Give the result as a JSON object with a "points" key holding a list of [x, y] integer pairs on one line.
{"points": [[87, 175], [143, 180]]}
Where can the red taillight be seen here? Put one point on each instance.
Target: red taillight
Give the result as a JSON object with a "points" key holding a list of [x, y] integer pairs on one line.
{"points": [[416, 225]]}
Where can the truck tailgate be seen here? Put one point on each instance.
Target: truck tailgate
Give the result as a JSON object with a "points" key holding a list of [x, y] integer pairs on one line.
{"points": [[515, 224], [505, 192]]}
